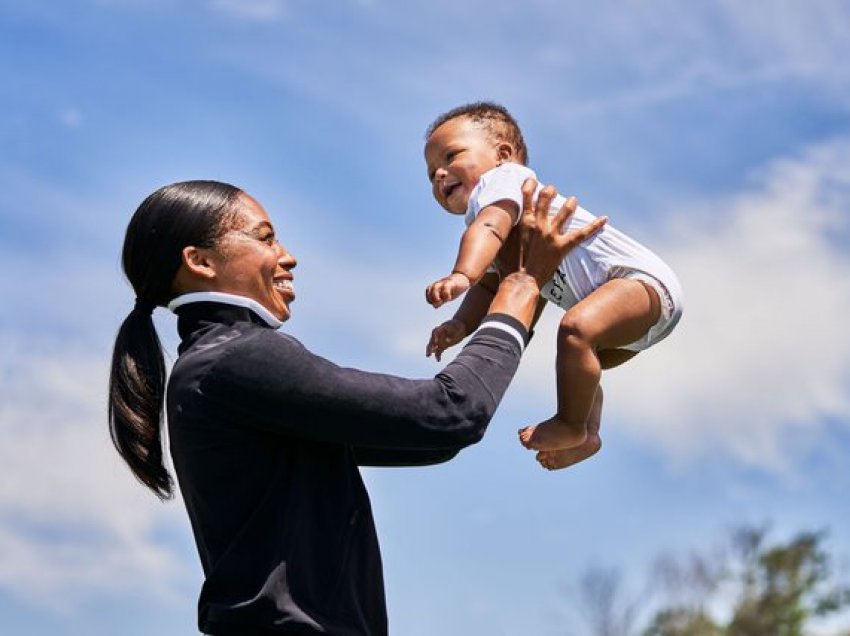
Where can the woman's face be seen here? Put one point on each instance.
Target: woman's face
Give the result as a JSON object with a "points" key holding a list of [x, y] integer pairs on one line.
{"points": [[250, 262]]}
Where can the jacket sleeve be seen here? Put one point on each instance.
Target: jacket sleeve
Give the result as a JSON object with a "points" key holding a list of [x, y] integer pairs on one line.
{"points": [[269, 380]]}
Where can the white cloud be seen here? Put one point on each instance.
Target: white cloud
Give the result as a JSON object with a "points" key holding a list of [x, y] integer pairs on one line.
{"points": [[714, 48], [620, 57], [75, 524], [762, 355]]}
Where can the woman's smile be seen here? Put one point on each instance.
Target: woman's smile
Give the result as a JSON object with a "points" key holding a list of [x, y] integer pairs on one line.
{"points": [[254, 264], [285, 288]]}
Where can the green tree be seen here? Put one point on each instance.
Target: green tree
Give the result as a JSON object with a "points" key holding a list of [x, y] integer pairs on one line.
{"points": [[683, 622], [775, 590], [749, 588], [783, 587]]}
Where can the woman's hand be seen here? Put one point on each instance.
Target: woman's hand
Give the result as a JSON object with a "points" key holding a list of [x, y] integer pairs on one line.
{"points": [[543, 241], [543, 245]]}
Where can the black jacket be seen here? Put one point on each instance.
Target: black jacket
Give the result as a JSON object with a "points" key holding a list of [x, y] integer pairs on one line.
{"points": [[266, 439]]}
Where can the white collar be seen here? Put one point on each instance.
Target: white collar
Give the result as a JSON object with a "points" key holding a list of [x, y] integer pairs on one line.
{"points": [[227, 299]]}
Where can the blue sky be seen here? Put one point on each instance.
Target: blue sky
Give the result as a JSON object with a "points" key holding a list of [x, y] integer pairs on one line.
{"points": [[716, 132]]}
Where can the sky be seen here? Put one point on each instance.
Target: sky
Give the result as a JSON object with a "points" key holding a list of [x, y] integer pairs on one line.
{"points": [[715, 132]]}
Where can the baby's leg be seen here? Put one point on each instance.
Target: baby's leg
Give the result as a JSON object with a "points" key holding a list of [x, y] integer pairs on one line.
{"points": [[613, 316], [557, 459], [610, 358]]}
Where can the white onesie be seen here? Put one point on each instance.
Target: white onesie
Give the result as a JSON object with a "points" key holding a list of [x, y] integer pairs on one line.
{"points": [[607, 255]]}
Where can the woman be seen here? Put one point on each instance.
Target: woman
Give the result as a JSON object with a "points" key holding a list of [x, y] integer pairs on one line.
{"points": [[266, 437]]}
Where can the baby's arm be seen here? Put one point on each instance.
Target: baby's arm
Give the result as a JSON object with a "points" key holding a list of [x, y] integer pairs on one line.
{"points": [[478, 249], [467, 318]]}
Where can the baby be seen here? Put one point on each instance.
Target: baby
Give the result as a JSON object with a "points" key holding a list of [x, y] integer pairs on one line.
{"points": [[619, 297]]}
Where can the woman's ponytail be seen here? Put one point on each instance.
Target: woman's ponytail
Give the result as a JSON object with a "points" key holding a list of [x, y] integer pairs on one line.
{"points": [[136, 394], [190, 213]]}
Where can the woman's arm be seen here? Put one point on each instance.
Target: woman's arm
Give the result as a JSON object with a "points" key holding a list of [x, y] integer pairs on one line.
{"points": [[541, 241], [269, 380]]}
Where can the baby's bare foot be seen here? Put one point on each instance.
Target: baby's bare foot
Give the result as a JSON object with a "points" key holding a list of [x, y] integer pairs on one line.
{"points": [[564, 457], [553, 434]]}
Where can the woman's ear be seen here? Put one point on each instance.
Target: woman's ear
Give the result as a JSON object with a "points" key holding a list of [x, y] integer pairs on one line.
{"points": [[199, 262]]}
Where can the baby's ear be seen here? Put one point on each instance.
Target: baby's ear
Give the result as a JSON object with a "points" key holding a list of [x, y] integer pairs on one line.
{"points": [[506, 152]]}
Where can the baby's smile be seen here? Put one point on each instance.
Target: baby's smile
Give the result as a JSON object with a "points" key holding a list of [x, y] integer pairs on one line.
{"points": [[447, 188]]}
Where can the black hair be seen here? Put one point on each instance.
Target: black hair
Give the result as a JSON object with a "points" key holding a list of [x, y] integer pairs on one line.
{"points": [[494, 118], [189, 213]]}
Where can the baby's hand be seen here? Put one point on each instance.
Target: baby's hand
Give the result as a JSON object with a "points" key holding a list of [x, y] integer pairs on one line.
{"points": [[446, 335], [446, 289]]}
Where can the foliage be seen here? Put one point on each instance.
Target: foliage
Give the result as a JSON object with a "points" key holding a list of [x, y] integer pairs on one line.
{"points": [[683, 622], [783, 587], [751, 588]]}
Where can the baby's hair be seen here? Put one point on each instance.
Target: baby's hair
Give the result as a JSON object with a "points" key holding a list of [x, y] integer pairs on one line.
{"points": [[494, 118]]}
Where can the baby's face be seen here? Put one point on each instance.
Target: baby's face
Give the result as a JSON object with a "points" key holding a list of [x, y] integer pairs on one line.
{"points": [[457, 154]]}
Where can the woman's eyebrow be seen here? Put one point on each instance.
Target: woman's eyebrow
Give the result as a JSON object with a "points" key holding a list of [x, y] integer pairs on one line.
{"points": [[258, 228]]}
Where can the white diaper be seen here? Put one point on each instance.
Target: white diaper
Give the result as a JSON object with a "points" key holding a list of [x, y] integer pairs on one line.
{"points": [[671, 308]]}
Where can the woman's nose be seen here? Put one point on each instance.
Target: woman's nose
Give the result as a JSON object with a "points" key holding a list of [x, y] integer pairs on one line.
{"points": [[285, 259]]}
